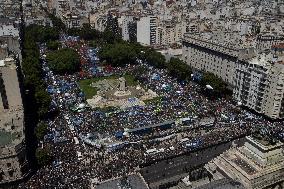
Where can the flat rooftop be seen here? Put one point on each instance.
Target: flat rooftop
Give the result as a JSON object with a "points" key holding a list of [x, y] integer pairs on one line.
{"points": [[244, 165], [10, 77], [11, 113]]}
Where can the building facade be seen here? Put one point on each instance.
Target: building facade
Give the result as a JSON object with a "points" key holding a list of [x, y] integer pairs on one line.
{"points": [[256, 77], [259, 85], [210, 57], [13, 162], [125, 29], [256, 165], [146, 30], [266, 41]]}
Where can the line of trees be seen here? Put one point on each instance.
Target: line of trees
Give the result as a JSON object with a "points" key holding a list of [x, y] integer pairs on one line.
{"points": [[37, 99], [31, 66], [122, 53]]}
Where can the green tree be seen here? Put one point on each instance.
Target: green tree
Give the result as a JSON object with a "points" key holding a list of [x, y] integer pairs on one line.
{"points": [[43, 101], [41, 130], [63, 61], [118, 54], [52, 45], [179, 69], [74, 31], [155, 58], [41, 33], [43, 156], [218, 85]]}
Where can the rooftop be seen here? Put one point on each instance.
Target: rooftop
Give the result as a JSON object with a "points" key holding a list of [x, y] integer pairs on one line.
{"points": [[11, 108], [244, 165]]}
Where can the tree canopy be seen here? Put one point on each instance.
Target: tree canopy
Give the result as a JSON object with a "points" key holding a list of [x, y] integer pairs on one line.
{"points": [[122, 53], [40, 100], [43, 156], [179, 69], [89, 34], [43, 101], [118, 54], [218, 85], [41, 33], [63, 61], [153, 58], [53, 45], [41, 130]]}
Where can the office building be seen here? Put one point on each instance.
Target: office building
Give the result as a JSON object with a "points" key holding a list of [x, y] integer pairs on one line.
{"points": [[256, 165], [259, 85], [203, 54], [255, 74], [13, 162], [146, 30]]}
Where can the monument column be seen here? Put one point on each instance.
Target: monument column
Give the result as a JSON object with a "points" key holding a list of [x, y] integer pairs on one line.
{"points": [[122, 84]]}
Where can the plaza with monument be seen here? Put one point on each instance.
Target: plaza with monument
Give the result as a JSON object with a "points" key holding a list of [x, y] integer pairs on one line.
{"points": [[116, 93]]}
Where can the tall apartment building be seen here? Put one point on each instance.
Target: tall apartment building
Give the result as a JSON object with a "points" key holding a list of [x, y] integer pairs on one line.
{"points": [[259, 85], [132, 31], [160, 36], [125, 27], [257, 79], [13, 162], [146, 30], [169, 33]]}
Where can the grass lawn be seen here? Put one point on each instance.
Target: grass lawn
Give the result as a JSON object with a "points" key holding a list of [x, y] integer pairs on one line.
{"points": [[89, 91]]}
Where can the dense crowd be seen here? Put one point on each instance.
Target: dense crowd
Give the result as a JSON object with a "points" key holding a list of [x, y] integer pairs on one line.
{"points": [[76, 164]]}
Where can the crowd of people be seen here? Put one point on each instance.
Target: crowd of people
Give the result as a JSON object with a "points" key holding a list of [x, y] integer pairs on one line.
{"points": [[77, 164]]}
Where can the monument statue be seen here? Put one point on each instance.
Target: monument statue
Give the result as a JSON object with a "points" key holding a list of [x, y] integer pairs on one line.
{"points": [[122, 84]]}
